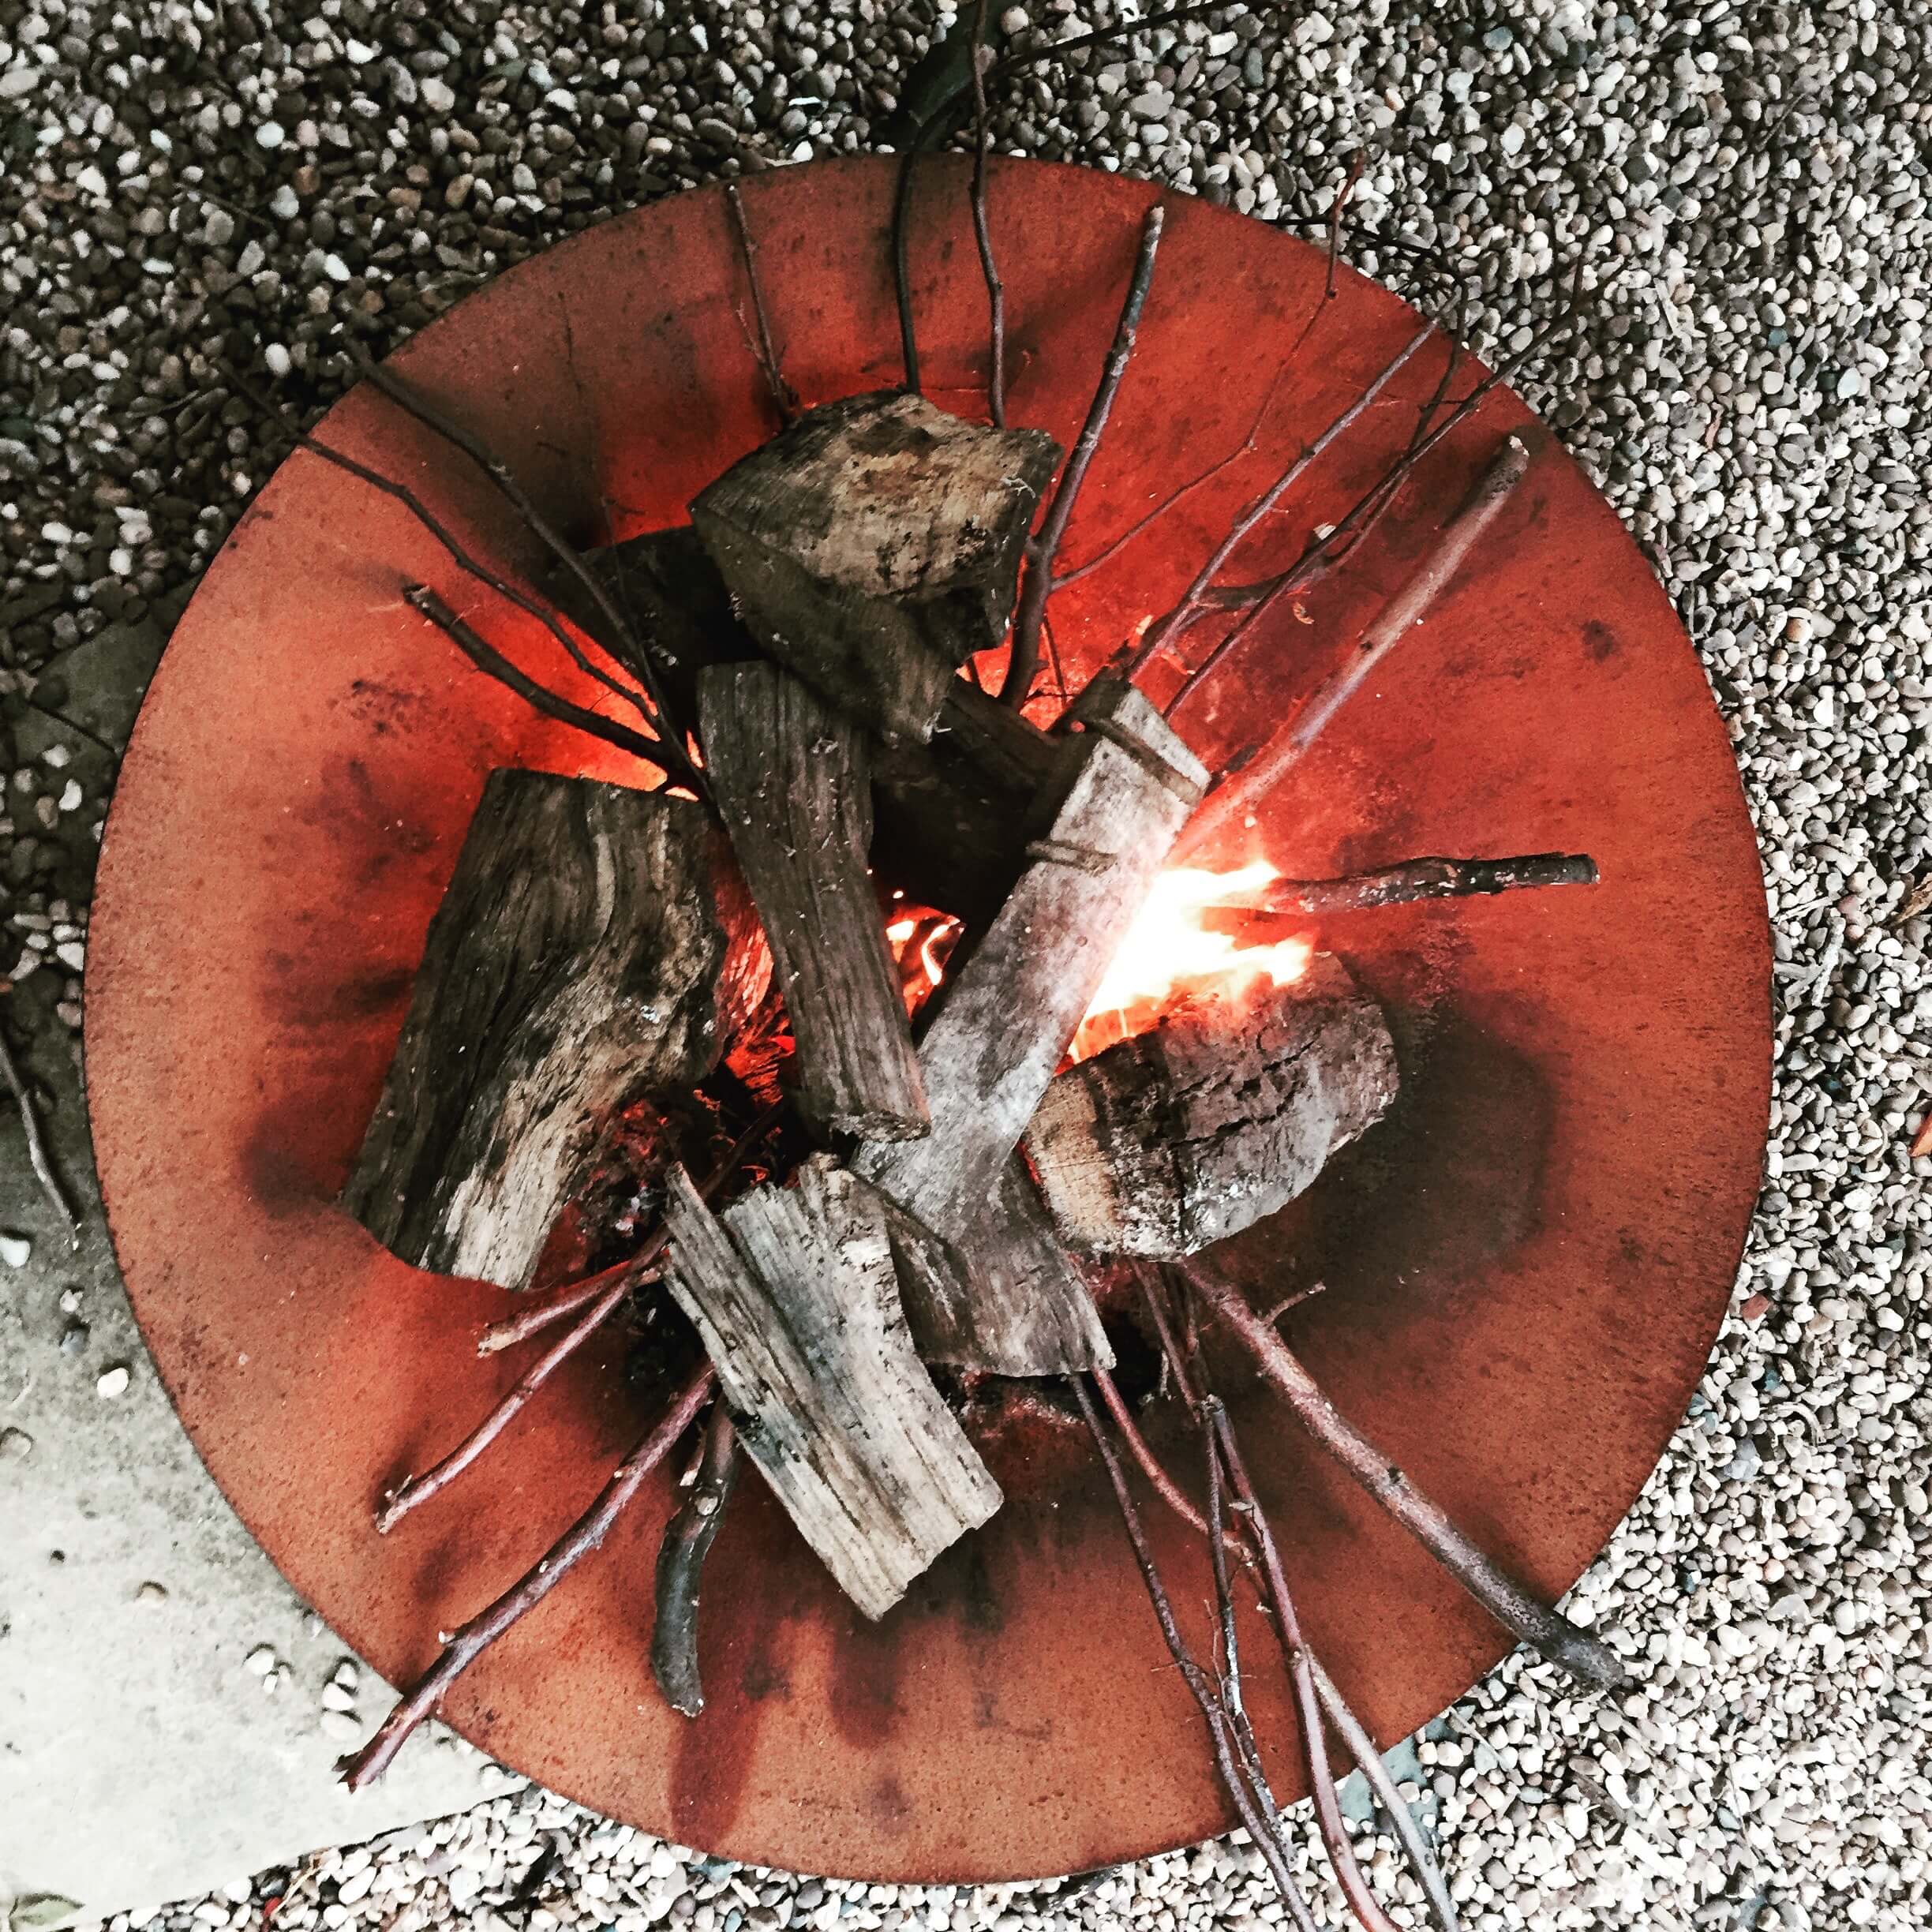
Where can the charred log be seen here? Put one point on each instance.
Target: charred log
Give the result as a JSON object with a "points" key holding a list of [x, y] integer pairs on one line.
{"points": [[873, 546], [594, 943], [1214, 1118]]}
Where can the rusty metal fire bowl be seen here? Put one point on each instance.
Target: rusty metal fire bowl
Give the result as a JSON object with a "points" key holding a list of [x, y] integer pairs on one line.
{"points": [[1526, 1263]]}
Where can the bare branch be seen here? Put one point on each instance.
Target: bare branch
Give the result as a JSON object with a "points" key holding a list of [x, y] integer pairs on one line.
{"points": [[527, 1322], [617, 1282], [1038, 586], [37, 1151], [1335, 220], [1286, 902], [783, 397], [676, 759], [586, 1534], [1549, 1633], [982, 57], [464, 559], [1242, 787], [1214, 1713], [1166, 628], [486, 657]]}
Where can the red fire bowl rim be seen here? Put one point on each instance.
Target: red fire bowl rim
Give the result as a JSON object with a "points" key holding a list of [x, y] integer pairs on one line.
{"points": [[1527, 1264]]}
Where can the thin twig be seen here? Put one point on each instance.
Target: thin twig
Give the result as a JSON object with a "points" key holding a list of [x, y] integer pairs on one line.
{"points": [[687, 1540], [1166, 628], [1041, 552], [1141, 525], [1214, 1713], [527, 1322], [42, 1161], [619, 1282], [433, 417], [783, 397], [466, 559], [944, 120], [1164, 1485], [1549, 1633], [982, 230], [486, 657], [1328, 1818], [1242, 787], [1369, 1762], [586, 1534], [1335, 220]]}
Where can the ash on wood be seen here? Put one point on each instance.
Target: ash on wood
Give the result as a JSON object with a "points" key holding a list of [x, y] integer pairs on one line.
{"points": [[794, 1293], [789, 776], [595, 943], [1184, 1135], [1005, 1015], [1006, 1297], [873, 546]]}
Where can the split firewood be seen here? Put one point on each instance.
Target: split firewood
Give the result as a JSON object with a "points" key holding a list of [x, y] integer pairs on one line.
{"points": [[794, 1294], [1215, 1118], [949, 816], [1004, 1017], [594, 943], [872, 547], [789, 776], [1284, 903], [1005, 1297], [687, 1540]]}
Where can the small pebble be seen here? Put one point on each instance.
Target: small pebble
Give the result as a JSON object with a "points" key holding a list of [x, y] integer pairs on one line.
{"points": [[112, 1381]]}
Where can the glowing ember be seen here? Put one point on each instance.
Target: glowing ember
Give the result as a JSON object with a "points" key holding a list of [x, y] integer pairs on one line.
{"points": [[1167, 946]]}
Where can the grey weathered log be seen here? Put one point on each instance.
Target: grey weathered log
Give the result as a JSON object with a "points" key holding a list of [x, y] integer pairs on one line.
{"points": [[789, 776], [793, 1292], [1006, 1297], [1215, 1118], [1005, 1014], [594, 943], [872, 547], [948, 815]]}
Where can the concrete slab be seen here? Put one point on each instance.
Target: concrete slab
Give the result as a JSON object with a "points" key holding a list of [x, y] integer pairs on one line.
{"points": [[164, 1726]]}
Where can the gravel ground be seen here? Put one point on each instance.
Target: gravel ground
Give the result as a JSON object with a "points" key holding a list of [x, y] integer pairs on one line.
{"points": [[1748, 185]]}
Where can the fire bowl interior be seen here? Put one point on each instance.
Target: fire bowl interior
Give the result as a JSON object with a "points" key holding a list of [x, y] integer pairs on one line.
{"points": [[1525, 1263]]}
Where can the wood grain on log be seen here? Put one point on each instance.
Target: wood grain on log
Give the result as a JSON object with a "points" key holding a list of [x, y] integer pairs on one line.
{"points": [[1006, 1297], [794, 1293], [1218, 1117], [789, 776], [594, 943], [1005, 1016], [872, 547]]}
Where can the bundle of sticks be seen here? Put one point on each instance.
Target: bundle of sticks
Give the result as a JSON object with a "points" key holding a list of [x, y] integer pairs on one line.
{"points": [[912, 1179]]}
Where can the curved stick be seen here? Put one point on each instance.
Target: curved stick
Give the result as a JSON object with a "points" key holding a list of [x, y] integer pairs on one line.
{"points": [[1285, 902], [783, 397], [1241, 788], [37, 1154], [583, 1536], [1024, 658], [1551, 1634], [687, 1540]]}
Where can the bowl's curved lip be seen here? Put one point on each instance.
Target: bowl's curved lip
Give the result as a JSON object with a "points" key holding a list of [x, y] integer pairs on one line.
{"points": [[994, 1814]]}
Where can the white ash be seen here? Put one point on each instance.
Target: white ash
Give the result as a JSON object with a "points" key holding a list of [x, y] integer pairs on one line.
{"points": [[1747, 187]]}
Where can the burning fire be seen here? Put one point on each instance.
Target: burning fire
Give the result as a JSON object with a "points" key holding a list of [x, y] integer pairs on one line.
{"points": [[1166, 947]]}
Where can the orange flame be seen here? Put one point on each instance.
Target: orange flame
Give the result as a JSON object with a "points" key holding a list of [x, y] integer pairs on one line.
{"points": [[1167, 947]]}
